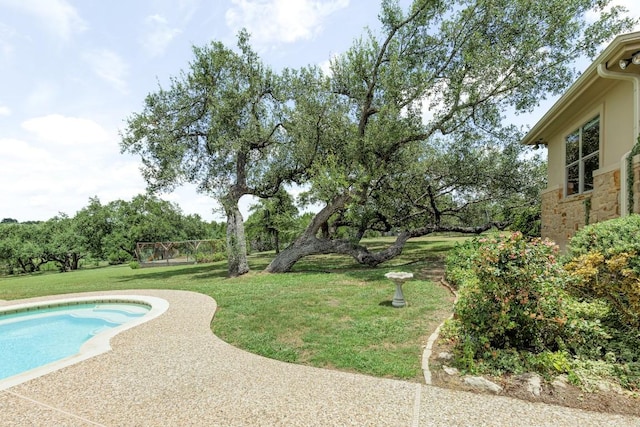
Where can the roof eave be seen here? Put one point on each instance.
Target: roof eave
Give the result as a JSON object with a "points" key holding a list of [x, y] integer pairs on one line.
{"points": [[586, 79]]}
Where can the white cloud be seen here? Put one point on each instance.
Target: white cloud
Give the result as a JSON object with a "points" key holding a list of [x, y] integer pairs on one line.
{"points": [[59, 163], [273, 21], [110, 67], [61, 130], [188, 8], [158, 35], [57, 16], [5, 111]]}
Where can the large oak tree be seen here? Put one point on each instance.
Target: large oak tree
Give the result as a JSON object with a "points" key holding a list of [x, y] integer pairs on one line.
{"points": [[427, 94], [212, 127], [406, 135]]}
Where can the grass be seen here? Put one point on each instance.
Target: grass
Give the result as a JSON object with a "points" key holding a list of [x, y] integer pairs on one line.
{"points": [[329, 312]]}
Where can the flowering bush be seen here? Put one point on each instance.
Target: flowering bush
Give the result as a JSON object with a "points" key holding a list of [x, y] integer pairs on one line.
{"points": [[605, 265], [517, 300], [610, 278]]}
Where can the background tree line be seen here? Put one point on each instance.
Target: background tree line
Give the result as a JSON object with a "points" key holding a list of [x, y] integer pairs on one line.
{"points": [[98, 232], [109, 232]]}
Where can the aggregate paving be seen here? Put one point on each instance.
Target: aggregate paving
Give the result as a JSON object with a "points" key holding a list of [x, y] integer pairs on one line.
{"points": [[173, 371]]}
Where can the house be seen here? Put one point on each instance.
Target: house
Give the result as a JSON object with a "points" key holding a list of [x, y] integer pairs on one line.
{"points": [[590, 133]]}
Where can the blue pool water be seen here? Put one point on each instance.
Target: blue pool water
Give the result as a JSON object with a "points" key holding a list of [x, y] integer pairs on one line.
{"points": [[35, 338]]}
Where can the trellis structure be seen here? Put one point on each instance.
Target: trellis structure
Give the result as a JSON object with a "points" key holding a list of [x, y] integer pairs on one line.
{"points": [[151, 254]]}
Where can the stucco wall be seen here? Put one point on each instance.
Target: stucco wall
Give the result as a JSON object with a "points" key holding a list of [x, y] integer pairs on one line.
{"points": [[563, 216], [616, 124], [615, 108]]}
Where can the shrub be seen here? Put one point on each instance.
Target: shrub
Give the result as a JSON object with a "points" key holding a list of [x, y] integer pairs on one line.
{"points": [[584, 334], [203, 258], [605, 264], [609, 238], [460, 261], [515, 314], [119, 257], [134, 265], [517, 300], [528, 221]]}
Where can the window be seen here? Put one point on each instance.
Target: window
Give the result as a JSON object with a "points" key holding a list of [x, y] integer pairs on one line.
{"points": [[583, 147]]}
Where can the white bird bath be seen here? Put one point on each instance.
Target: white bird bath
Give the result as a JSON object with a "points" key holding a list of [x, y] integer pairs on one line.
{"points": [[398, 277]]}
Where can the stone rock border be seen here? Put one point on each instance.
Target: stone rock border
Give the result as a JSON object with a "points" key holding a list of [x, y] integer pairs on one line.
{"points": [[428, 349]]}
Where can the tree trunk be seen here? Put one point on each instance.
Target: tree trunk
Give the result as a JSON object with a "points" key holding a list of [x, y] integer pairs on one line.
{"points": [[304, 246], [236, 242], [75, 261], [311, 245], [308, 244]]}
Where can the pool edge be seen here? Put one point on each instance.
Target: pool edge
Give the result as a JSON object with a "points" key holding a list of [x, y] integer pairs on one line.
{"points": [[95, 346]]}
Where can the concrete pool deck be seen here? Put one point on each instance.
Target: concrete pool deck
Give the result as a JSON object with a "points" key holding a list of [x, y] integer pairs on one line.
{"points": [[173, 371]]}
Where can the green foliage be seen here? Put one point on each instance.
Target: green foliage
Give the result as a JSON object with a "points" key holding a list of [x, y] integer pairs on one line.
{"points": [[97, 232], [231, 126], [519, 310], [20, 248], [272, 223], [134, 265], [119, 256], [516, 303], [211, 257], [386, 166], [549, 363], [528, 221], [460, 261], [608, 237], [604, 264], [631, 176]]}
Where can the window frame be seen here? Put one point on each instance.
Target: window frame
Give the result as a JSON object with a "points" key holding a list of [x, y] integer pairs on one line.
{"points": [[581, 159]]}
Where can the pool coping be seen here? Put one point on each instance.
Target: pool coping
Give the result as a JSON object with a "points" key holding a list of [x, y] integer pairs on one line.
{"points": [[93, 347]]}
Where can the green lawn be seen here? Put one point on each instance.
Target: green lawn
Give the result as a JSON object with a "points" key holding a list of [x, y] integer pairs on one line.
{"points": [[329, 312]]}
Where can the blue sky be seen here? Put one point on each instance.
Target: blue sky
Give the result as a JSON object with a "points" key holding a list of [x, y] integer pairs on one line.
{"points": [[71, 72]]}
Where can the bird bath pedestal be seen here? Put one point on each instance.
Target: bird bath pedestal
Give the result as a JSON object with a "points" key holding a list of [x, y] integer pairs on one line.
{"points": [[398, 278]]}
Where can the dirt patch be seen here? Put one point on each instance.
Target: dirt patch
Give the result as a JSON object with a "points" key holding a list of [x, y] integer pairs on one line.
{"points": [[561, 394]]}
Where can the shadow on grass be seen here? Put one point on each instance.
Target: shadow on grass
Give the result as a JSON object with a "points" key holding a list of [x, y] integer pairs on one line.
{"points": [[388, 303], [418, 257], [423, 260], [203, 271]]}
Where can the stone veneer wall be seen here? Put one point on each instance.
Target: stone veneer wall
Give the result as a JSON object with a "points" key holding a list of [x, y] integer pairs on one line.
{"points": [[562, 217], [605, 197]]}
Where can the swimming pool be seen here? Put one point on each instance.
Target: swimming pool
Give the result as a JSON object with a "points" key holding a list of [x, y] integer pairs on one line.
{"points": [[37, 339]]}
